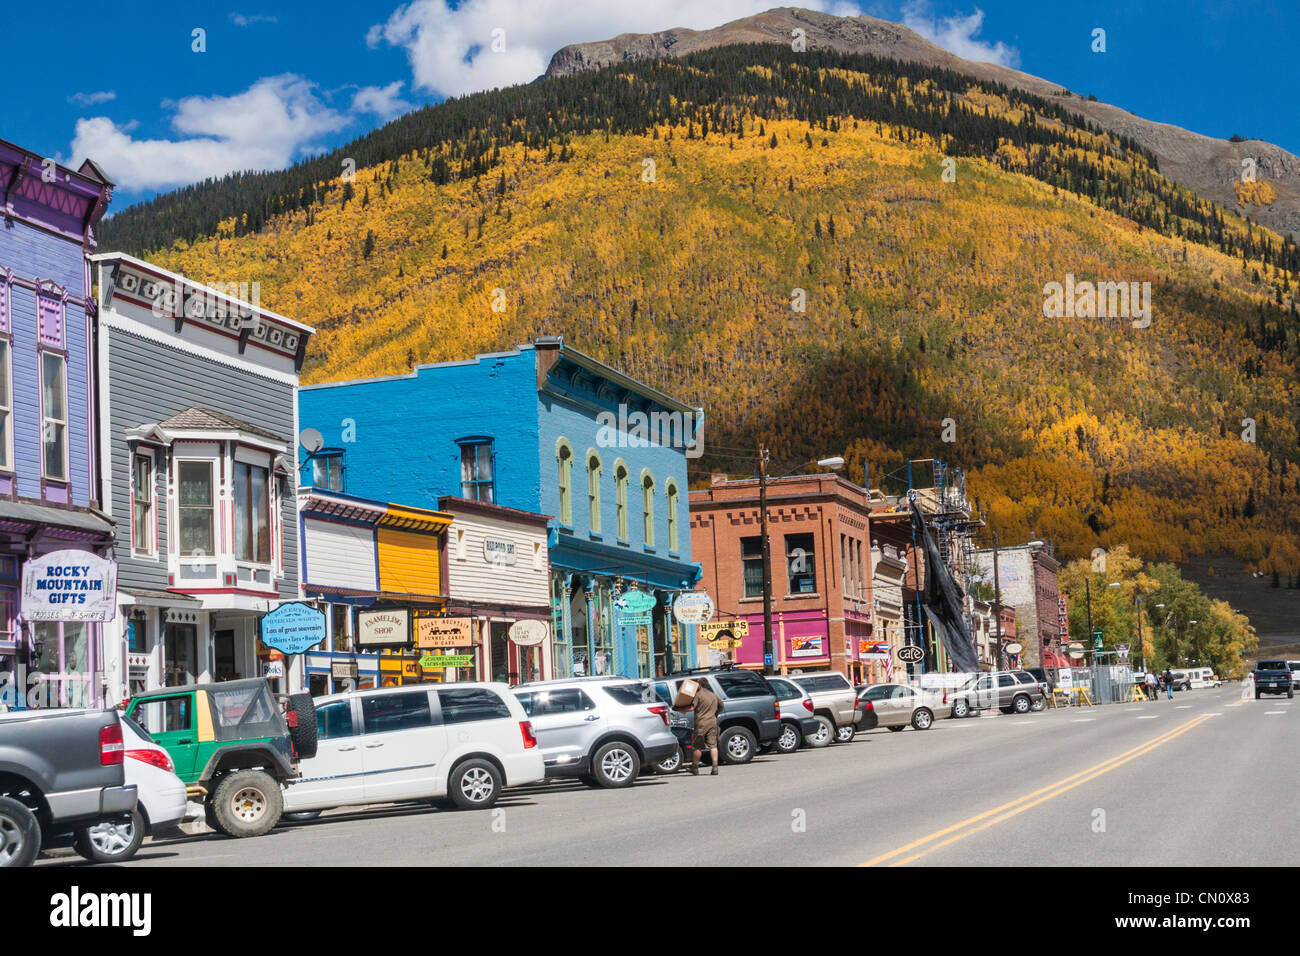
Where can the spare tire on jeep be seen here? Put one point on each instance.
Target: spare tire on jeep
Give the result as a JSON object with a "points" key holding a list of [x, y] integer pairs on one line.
{"points": [[300, 715]]}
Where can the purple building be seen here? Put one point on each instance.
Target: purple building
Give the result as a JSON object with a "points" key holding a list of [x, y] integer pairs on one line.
{"points": [[54, 580]]}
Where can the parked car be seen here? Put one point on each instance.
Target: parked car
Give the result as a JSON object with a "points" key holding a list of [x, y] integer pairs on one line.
{"points": [[834, 705], [61, 773], [1010, 691], [602, 730], [900, 705], [455, 744], [232, 747], [1295, 674], [160, 801], [795, 708], [749, 717], [1273, 677]]}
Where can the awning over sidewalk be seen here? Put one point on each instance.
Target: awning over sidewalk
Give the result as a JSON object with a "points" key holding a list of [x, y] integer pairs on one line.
{"points": [[19, 515]]}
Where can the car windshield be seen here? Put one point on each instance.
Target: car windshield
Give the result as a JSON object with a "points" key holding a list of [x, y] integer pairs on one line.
{"points": [[242, 711]]}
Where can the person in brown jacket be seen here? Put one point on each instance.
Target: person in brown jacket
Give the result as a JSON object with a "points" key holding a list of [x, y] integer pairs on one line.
{"points": [[706, 707]]}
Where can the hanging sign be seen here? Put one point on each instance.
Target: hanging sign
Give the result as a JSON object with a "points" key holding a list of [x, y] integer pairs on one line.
{"points": [[910, 654], [444, 632], [69, 586], [693, 607], [634, 608], [293, 628], [387, 628], [437, 662], [716, 633], [528, 633]]}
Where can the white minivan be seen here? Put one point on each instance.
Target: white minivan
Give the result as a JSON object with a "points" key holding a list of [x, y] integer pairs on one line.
{"points": [[464, 742]]}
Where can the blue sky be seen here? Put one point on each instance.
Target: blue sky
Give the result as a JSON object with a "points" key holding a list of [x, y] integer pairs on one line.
{"points": [[277, 80]]}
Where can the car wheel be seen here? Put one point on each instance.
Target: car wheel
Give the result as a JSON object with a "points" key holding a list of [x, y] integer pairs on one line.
{"points": [[845, 733], [303, 732], [737, 745], [789, 740], [961, 707], [825, 733], [113, 841], [615, 764], [1040, 704], [301, 816], [1257, 695], [474, 784], [1021, 704], [1290, 694], [922, 719], [895, 728], [247, 803], [671, 764], [20, 834]]}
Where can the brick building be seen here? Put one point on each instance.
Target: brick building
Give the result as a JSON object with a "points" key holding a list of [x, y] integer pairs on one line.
{"points": [[821, 567], [1027, 577]]}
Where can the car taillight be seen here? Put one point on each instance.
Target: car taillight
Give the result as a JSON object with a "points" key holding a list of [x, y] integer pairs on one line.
{"points": [[807, 704], [110, 745], [945, 697], [526, 728], [867, 705], [154, 758], [776, 708], [662, 711]]}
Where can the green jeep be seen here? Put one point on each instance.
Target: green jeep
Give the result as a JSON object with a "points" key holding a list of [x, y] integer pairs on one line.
{"points": [[232, 746]]}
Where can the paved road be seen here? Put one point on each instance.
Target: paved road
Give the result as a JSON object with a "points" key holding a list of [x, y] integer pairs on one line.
{"points": [[1205, 779]]}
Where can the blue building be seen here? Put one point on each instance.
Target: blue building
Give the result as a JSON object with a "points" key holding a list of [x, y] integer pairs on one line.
{"points": [[545, 429]]}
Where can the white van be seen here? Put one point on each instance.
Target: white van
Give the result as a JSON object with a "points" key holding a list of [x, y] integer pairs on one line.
{"points": [[1195, 678], [464, 742]]}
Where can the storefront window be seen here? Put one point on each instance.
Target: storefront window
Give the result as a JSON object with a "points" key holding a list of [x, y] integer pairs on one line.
{"points": [[582, 662], [603, 646], [180, 647], [660, 641], [62, 660], [339, 615], [501, 669], [560, 664]]}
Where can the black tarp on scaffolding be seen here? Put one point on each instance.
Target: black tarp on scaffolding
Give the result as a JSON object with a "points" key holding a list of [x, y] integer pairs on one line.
{"points": [[942, 601]]}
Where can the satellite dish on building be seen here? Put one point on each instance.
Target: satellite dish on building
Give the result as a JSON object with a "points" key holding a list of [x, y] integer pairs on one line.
{"points": [[312, 440]]}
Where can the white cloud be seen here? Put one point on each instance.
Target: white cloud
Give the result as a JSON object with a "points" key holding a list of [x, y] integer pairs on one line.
{"points": [[92, 99], [383, 101], [451, 51], [271, 123], [957, 34]]}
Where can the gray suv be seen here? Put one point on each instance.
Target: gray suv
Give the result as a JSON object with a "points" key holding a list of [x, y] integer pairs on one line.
{"points": [[834, 705], [1012, 692], [602, 730], [749, 710]]}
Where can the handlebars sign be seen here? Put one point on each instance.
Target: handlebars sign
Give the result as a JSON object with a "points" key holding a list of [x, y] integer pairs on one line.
{"points": [[69, 586]]}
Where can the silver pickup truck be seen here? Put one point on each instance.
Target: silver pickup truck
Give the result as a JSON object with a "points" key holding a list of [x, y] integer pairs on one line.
{"points": [[60, 772]]}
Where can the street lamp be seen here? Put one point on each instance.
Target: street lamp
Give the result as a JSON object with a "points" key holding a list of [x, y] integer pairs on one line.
{"points": [[769, 654]]}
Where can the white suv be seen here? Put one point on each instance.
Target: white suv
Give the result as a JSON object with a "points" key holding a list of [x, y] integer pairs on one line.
{"points": [[464, 742]]}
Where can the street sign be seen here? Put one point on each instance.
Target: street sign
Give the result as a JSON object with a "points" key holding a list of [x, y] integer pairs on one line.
{"points": [[910, 654], [1098, 640], [1014, 648], [767, 660], [693, 607], [1122, 651]]}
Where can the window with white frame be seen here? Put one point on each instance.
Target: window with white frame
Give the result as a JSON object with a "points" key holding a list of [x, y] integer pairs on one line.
{"points": [[195, 499], [54, 411], [6, 408], [672, 515], [252, 513], [620, 498], [564, 462], [142, 497], [648, 509], [593, 492]]}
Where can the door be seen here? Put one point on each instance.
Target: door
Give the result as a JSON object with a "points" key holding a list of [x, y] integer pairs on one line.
{"points": [[882, 702], [180, 654], [401, 747], [223, 650], [901, 704], [565, 722], [1007, 686], [171, 722], [332, 778]]}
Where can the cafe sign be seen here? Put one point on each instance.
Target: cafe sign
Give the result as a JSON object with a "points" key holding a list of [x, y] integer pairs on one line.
{"points": [[444, 632], [69, 586], [386, 628]]}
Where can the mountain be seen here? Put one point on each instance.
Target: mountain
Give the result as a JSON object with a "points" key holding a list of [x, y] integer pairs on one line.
{"points": [[1210, 167], [834, 253]]}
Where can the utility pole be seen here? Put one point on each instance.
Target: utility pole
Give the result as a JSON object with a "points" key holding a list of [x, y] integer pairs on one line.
{"points": [[997, 605], [769, 653], [1087, 589]]}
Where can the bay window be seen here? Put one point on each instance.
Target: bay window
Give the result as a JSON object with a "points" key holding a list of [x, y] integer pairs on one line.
{"points": [[195, 505], [252, 514]]}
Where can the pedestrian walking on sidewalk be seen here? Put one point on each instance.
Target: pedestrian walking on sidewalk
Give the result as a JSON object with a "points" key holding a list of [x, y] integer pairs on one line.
{"points": [[1152, 686], [1169, 682], [706, 706]]}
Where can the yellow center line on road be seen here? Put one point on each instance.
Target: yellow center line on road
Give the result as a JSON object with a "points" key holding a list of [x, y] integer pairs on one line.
{"points": [[1020, 804]]}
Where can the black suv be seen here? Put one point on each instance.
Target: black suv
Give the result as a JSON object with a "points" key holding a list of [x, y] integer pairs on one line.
{"points": [[749, 711], [1273, 677]]}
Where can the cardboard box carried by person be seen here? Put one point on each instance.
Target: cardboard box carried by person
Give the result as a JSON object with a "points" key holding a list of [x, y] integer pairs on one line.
{"points": [[686, 693]]}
